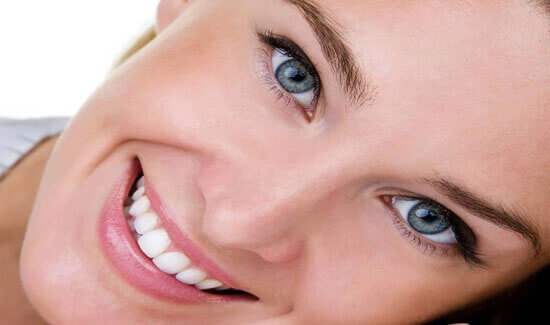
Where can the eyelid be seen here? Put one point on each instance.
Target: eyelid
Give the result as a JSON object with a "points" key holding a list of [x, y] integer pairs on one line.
{"points": [[466, 246], [454, 218], [268, 37], [265, 74], [414, 196], [273, 42], [424, 244]]}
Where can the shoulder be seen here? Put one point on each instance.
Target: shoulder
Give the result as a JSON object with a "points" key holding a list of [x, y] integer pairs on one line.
{"points": [[19, 136]]}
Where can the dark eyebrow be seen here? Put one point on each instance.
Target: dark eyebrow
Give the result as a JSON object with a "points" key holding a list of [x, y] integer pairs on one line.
{"points": [[330, 36], [514, 219]]}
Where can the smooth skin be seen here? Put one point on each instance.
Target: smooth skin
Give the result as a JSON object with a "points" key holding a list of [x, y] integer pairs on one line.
{"points": [[292, 209], [17, 193]]}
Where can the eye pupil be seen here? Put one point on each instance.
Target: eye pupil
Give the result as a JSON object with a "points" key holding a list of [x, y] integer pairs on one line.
{"points": [[295, 74], [427, 219], [427, 215]]}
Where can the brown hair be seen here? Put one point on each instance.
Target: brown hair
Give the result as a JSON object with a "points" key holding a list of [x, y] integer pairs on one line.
{"points": [[145, 38], [545, 4]]}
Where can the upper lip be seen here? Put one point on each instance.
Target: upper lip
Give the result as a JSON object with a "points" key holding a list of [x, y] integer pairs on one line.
{"points": [[183, 242], [123, 252]]}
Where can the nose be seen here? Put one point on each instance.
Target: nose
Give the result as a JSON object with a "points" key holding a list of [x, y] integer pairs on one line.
{"points": [[263, 207]]}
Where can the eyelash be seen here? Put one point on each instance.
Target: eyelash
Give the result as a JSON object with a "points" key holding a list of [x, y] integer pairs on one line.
{"points": [[466, 242], [274, 41]]}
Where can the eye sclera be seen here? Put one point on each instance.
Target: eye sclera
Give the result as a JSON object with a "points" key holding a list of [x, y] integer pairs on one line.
{"points": [[465, 247], [287, 47], [446, 236], [306, 99], [419, 242]]}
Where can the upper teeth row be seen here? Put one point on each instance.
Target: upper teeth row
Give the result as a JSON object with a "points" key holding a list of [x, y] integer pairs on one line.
{"points": [[154, 242]]}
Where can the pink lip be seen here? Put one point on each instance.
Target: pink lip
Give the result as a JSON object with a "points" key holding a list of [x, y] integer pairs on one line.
{"points": [[122, 251], [182, 242]]}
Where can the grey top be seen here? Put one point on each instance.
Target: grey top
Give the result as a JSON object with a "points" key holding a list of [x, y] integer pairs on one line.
{"points": [[19, 137]]}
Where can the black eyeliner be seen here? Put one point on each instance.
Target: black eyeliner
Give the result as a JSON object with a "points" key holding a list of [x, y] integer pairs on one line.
{"points": [[290, 48], [465, 237], [467, 244]]}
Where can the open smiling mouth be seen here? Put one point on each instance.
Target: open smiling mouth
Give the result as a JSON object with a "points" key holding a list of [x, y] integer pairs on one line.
{"points": [[152, 253]]}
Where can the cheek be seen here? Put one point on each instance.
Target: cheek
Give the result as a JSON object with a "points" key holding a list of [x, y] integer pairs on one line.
{"points": [[361, 267], [200, 84]]}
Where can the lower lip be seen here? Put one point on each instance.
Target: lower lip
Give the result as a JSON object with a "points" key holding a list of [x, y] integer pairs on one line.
{"points": [[122, 251]]}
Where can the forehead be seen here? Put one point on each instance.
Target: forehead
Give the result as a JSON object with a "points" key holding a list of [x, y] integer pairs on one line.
{"points": [[464, 83]]}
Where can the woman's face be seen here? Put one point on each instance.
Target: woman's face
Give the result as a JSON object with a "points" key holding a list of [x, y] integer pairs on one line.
{"points": [[342, 161]]}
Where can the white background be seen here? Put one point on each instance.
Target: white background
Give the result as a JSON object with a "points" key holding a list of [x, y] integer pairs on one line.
{"points": [[54, 53]]}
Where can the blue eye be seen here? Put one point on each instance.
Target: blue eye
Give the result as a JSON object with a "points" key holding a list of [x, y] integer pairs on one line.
{"points": [[421, 218], [426, 218], [295, 77]]}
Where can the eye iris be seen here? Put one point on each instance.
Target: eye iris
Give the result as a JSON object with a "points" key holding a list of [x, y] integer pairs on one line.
{"points": [[427, 219], [294, 77]]}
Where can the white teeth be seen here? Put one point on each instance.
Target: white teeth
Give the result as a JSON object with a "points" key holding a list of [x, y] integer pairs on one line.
{"points": [[191, 276], [141, 181], [208, 284], [154, 242], [140, 206], [172, 262], [131, 225], [138, 193], [146, 222], [224, 287]]}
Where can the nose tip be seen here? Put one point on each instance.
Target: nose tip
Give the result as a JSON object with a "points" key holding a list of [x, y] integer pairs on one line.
{"points": [[260, 230]]}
